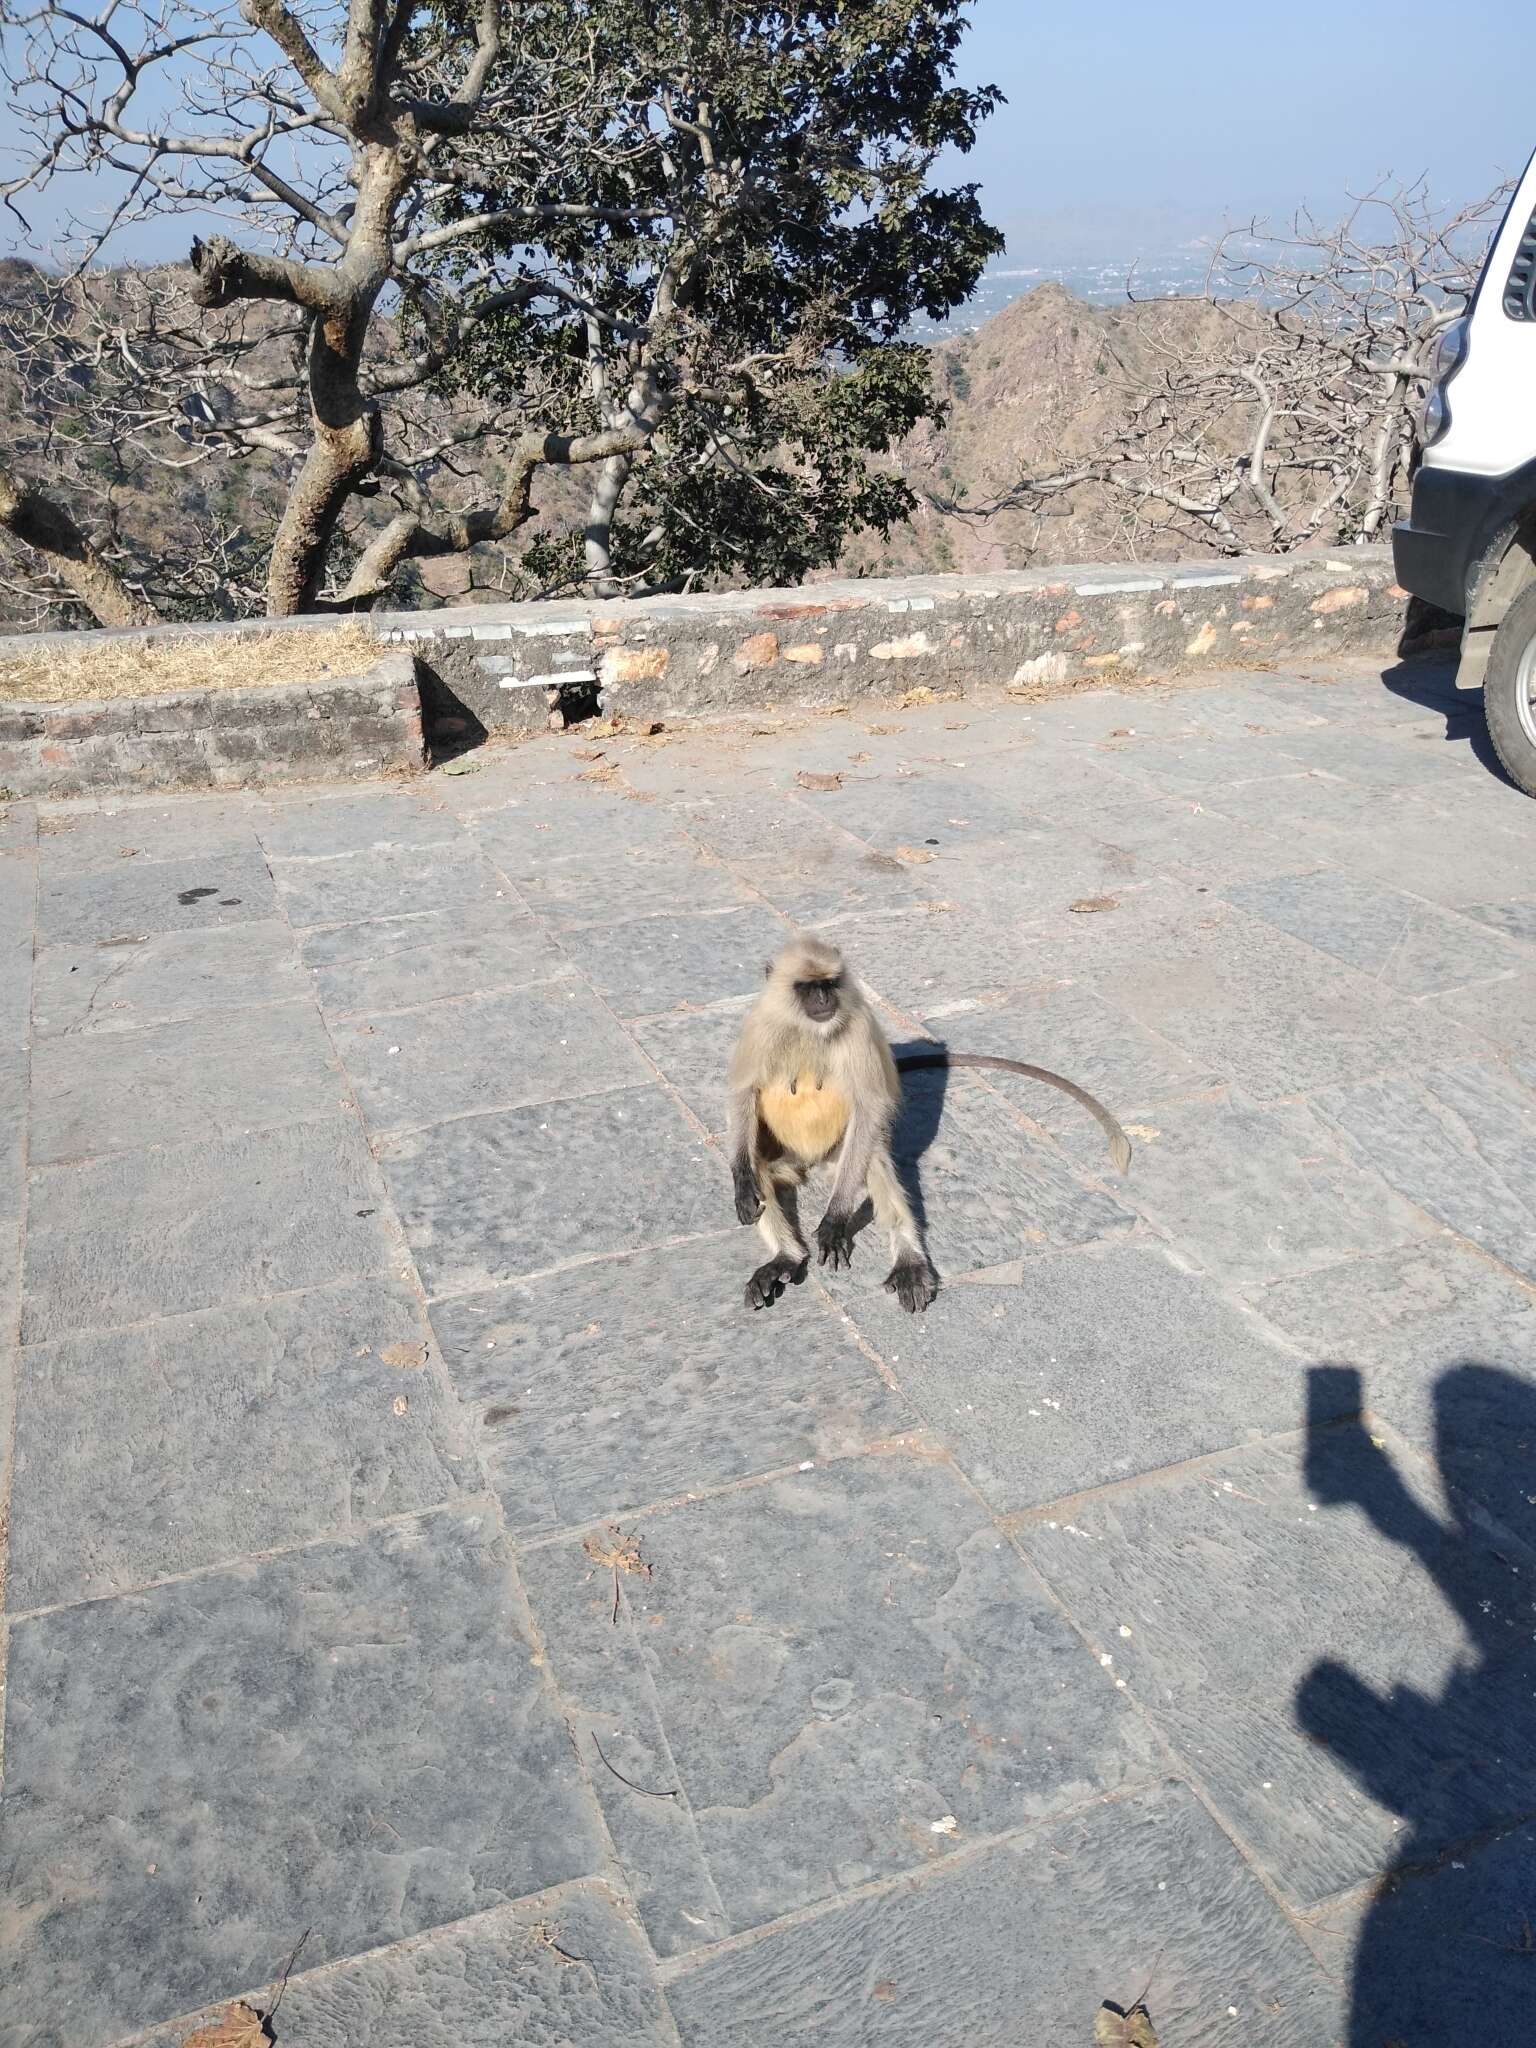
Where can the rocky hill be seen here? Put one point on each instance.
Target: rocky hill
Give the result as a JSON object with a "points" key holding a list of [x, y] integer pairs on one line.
{"points": [[1045, 382]]}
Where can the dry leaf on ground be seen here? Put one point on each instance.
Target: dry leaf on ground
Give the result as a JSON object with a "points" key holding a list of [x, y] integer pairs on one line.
{"points": [[810, 778], [1090, 903], [882, 729], [914, 856], [1113, 2028], [238, 2026], [622, 1552], [406, 1356]]}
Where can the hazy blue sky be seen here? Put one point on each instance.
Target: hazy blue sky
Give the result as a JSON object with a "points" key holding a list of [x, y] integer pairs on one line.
{"points": [[1128, 119], [1133, 127]]}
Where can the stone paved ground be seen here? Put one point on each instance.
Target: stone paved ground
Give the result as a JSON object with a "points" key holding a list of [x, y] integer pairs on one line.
{"points": [[416, 1545]]}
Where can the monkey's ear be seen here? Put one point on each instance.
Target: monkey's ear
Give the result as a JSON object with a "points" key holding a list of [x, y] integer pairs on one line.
{"points": [[767, 970]]}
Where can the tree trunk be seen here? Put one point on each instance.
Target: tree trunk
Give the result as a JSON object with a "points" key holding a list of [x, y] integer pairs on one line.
{"points": [[606, 493], [43, 525], [347, 444]]}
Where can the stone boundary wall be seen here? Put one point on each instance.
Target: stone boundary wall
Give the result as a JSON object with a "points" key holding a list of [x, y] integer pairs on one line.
{"points": [[346, 727], [519, 668], [1042, 632]]}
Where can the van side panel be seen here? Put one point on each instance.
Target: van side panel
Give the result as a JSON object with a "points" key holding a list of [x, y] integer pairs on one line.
{"points": [[1475, 489]]}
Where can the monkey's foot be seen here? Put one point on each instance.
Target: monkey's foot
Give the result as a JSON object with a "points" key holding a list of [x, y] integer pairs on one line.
{"points": [[770, 1281], [912, 1283], [834, 1240]]}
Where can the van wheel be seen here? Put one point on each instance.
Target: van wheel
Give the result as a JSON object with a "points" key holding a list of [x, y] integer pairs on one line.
{"points": [[1509, 691]]}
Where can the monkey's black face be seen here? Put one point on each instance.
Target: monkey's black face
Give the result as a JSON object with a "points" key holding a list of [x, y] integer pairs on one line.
{"points": [[820, 1000]]}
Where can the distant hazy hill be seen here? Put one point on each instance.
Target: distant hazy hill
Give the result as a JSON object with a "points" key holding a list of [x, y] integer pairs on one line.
{"points": [[1045, 380]]}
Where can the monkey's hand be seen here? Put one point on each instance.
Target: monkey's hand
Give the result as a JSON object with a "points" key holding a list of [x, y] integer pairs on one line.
{"points": [[834, 1240], [749, 1202]]}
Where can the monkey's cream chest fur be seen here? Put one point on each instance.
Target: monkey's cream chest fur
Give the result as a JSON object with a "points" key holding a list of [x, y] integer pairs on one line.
{"points": [[808, 1120]]}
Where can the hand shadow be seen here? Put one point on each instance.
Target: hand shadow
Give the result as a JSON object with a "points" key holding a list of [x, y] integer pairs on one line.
{"points": [[1440, 1961]]}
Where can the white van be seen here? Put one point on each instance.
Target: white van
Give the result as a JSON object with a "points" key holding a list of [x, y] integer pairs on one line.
{"points": [[1469, 543]]}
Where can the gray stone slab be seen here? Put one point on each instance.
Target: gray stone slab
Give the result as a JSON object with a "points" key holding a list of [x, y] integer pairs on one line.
{"points": [[496, 1197], [1215, 764], [1072, 780], [76, 838], [1399, 941], [353, 1738], [1516, 920], [641, 881], [1325, 1655], [1446, 1346], [10, 1274], [1023, 1941], [693, 1052], [821, 1667], [187, 1227], [1245, 705], [1256, 1193], [1458, 1141], [1501, 1014], [563, 1968], [1438, 1950], [373, 821], [1393, 760], [388, 881], [13, 1131], [672, 963], [754, 824], [1098, 1366], [18, 898], [171, 1082], [223, 886], [1427, 853], [1178, 836], [1266, 1011], [388, 962], [18, 826], [1076, 1033], [631, 1381], [163, 977], [560, 821], [843, 881], [985, 1190], [188, 1442], [890, 810], [484, 1053], [1038, 871], [940, 960]]}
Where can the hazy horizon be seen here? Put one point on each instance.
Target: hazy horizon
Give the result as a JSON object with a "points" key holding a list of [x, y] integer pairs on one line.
{"points": [[1132, 136]]}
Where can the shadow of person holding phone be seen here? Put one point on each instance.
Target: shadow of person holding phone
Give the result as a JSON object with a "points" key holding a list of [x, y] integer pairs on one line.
{"points": [[1446, 1956]]}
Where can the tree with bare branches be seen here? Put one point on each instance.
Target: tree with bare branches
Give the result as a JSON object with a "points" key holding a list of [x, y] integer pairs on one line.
{"points": [[1288, 414], [446, 248]]}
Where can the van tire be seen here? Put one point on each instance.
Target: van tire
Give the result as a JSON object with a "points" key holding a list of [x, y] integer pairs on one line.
{"points": [[1511, 676]]}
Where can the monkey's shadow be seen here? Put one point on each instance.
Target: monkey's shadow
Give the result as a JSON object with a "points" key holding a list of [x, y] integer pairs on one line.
{"points": [[916, 1126]]}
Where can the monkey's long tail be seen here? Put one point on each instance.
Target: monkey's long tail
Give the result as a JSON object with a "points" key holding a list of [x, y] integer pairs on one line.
{"points": [[1119, 1143]]}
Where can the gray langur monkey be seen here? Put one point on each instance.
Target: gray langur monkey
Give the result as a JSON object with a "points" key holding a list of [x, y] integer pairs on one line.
{"points": [[813, 1076]]}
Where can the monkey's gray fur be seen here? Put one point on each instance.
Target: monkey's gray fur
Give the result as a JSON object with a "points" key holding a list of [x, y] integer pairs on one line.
{"points": [[812, 1076]]}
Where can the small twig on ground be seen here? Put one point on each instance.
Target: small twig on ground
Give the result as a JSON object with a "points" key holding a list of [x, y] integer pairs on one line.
{"points": [[282, 1982], [645, 1789]]}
